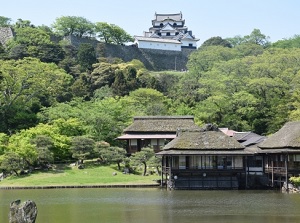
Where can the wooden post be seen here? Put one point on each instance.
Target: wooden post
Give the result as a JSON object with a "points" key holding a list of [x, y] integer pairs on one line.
{"points": [[272, 164], [286, 172], [246, 168], [163, 168]]}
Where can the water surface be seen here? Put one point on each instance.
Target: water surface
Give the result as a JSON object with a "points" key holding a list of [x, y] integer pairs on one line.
{"points": [[132, 205]]}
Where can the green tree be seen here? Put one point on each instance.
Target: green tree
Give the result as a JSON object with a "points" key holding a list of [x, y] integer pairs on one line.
{"points": [[249, 49], [18, 52], [81, 87], [103, 74], [119, 35], [59, 133], [10, 163], [82, 147], [3, 142], [288, 43], [3, 53], [110, 33], [34, 42], [49, 53], [155, 162], [236, 40], [119, 87], [142, 158], [44, 145], [23, 23], [258, 38], [4, 21], [69, 63], [216, 41], [20, 144], [204, 59], [149, 102], [250, 93], [86, 56], [255, 37], [70, 127], [103, 119], [112, 155], [27, 84], [32, 36], [73, 25], [103, 31]]}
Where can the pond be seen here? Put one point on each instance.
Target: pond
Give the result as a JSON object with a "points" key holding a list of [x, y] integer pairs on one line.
{"points": [[136, 205]]}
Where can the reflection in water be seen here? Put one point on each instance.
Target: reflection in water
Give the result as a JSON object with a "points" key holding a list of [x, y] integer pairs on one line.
{"points": [[156, 205]]}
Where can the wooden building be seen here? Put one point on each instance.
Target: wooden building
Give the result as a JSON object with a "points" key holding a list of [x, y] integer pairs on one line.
{"points": [[210, 159], [154, 131], [204, 159], [281, 154]]}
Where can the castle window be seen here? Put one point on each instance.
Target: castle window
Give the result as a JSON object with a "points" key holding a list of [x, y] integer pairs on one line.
{"points": [[176, 33], [161, 25], [168, 34], [175, 24], [159, 34]]}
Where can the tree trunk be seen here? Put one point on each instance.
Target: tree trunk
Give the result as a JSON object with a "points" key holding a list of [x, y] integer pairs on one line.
{"points": [[158, 171], [16, 172], [145, 169]]}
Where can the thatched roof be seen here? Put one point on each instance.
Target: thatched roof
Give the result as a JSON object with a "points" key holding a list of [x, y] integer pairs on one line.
{"points": [[161, 124], [203, 140], [287, 137]]}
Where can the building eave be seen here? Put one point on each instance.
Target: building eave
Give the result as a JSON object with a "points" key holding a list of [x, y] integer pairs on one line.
{"points": [[147, 136]]}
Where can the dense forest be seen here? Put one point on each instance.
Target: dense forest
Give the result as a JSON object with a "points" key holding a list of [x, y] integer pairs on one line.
{"points": [[59, 102]]}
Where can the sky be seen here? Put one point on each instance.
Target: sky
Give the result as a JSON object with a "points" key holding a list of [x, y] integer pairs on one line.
{"points": [[277, 19]]}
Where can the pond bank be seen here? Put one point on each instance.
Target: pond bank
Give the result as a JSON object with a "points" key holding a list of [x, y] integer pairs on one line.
{"points": [[81, 186]]}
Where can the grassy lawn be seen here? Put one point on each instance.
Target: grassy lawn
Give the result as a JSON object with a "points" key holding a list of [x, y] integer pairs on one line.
{"points": [[69, 176]]}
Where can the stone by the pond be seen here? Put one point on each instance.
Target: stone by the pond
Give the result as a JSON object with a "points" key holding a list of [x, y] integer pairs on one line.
{"points": [[22, 213]]}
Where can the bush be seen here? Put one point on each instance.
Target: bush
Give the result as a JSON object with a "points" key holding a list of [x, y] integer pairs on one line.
{"points": [[295, 181]]}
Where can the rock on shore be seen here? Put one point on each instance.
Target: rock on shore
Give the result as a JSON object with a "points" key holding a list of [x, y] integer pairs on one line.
{"points": [[22, 213]]}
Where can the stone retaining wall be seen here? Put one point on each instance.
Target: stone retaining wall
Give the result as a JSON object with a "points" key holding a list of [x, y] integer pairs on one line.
{"points": [[152, 59], [6, 33]]}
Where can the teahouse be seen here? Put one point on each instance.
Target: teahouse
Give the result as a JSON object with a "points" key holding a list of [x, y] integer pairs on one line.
{"points": [[204, 159], [154, 131], [281, 154], [211, 159]]}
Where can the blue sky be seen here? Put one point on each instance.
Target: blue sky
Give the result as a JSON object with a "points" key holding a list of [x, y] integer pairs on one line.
{"points": [[277, 19]]}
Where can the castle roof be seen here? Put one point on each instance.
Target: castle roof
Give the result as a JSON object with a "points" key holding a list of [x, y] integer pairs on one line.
{"points": [[162, 17]]}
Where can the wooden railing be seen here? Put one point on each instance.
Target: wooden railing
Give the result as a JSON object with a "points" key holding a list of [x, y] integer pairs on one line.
{"points": [[197, 170], [277, 170], [281, 170]]}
